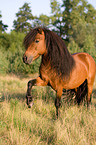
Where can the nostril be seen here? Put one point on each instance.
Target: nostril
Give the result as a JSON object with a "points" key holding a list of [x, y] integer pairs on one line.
{"points": [[25, 59]]}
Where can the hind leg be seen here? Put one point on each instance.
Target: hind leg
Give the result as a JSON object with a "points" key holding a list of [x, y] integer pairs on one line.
{"points": [[90, 88], [58, 100], [91, 78]]}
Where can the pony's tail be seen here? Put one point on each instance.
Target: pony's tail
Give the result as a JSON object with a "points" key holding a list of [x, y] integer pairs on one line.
{"points": [[82, 92]]}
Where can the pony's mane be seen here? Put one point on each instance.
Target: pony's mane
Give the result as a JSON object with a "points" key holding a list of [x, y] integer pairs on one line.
{"points": [[30, 37], [57, 53]]}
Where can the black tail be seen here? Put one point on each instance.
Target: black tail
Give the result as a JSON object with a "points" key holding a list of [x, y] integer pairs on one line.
{"points": [[82, 92]]}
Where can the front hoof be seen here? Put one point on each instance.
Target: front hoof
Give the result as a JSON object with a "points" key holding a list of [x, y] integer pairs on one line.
{"points": [[30, 105]]}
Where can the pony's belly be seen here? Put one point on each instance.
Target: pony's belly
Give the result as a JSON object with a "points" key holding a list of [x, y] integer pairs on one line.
{"points": [[73, 84], [77, 77]]}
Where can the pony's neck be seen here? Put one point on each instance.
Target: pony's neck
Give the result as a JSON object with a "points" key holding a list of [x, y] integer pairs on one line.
{"points": [[45, 59]]}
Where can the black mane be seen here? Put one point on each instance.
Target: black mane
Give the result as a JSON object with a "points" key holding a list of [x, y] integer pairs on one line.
{"points": [[57, 53]]}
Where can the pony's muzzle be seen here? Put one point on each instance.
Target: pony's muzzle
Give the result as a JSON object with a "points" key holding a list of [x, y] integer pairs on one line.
{"points": [[27, 60]]}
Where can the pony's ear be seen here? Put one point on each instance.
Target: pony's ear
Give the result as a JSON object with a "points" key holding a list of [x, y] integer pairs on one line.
{"points": [[39, 30]]}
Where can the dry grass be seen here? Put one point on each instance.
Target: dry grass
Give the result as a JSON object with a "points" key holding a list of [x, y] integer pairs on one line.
{"points": [[38, 126]]}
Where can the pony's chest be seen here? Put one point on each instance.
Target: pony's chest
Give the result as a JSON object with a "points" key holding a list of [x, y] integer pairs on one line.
{"points": [[46, 74]]}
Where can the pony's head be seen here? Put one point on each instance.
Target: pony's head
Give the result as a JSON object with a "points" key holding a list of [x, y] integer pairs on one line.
{"points": [[34, 43], [41, 41]]}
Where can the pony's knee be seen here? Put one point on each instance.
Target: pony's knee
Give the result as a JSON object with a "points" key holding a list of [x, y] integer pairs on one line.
{"points": [[31, 83]]}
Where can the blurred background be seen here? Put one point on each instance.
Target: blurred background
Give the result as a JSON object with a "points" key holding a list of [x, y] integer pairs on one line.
{"points": [[73, 20]]}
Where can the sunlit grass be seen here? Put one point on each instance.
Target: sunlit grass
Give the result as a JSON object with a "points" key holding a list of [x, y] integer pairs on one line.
{"points": [[39, 126]]}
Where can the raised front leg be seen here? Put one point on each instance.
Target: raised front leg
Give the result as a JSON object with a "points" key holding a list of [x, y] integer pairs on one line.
{"points": [[58, 101], [31, 83]]}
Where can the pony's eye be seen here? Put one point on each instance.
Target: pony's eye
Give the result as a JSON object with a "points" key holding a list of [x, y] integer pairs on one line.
{"points": [[36, 41]]}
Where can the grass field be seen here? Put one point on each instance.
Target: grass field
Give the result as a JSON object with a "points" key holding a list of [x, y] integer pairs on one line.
{"points": [[38, 125]]}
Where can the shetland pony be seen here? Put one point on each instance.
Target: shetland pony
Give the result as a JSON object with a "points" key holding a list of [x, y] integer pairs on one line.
{"points": [[59, 69]]}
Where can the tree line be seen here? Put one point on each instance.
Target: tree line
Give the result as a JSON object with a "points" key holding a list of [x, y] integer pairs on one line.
{"points": [[73, 20], [63, 18]]}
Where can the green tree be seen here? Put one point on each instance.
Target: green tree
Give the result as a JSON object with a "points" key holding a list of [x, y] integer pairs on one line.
{"points": [[74, 12], [24, 18], [66, 16], [79, 33], [56, 17], [42, 20], [89, 44], [90, 16], [3, 27]]}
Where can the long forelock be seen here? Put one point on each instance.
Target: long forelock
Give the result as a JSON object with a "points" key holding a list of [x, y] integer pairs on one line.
{"points": [[30, 37]]}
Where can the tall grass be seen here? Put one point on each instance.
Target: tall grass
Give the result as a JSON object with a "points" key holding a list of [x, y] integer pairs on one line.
{"points": [[38, 126]]}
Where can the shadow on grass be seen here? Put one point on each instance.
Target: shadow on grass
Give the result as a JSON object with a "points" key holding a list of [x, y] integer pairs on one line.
{"points": [[8, 97], [44, 93]]}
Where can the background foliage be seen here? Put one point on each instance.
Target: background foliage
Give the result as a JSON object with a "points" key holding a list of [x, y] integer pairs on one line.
{"points": [[73, 20]]}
